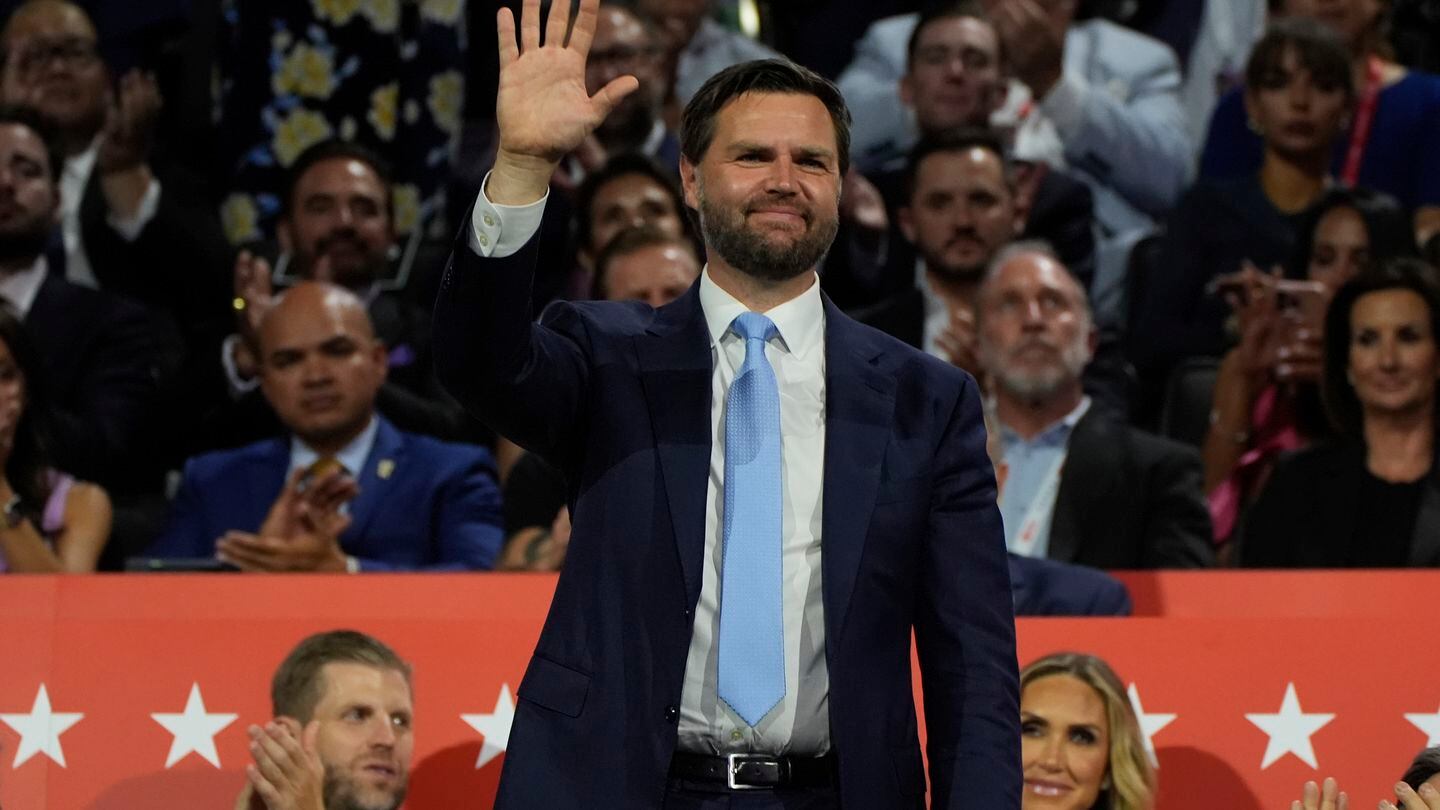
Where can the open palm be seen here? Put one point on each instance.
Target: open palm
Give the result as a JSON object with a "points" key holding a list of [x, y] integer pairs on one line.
{"points": [[543, 109]]}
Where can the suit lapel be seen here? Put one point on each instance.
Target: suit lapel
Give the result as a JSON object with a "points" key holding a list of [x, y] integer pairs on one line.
{"points": [[1085, 476], [268, 471], [859, 403], [676, 370], [376, 480]]}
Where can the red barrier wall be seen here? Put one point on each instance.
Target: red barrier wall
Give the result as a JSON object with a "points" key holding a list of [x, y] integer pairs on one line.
{"points": [[118, 650]]}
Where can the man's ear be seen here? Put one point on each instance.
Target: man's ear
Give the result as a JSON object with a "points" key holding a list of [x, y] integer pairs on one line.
{"points": [[688, 182], [381, 356], [284, 235], [905, 218]]}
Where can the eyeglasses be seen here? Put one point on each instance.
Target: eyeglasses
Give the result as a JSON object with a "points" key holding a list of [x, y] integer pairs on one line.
{"points": [[73, 53]]}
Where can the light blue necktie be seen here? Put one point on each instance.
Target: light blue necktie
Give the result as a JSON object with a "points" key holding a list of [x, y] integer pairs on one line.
{"points": [[752, 638]]}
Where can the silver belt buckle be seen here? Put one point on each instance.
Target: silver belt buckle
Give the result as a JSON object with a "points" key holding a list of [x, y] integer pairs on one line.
{"points": [[732, 766]]}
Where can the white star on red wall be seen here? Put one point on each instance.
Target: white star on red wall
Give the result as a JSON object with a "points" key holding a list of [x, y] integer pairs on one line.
{"points": [[1290, 730], [194, 730], [495, 726], [40, 730]]}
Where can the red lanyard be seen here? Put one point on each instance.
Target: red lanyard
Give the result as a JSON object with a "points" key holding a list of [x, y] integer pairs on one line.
{"points": [[1364, 117]]}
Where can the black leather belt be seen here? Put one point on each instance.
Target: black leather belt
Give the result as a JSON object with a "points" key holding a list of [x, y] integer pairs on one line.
{"points": [[754, 771]]}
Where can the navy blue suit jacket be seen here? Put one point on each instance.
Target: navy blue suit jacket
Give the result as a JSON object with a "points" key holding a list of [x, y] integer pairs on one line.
{"points": [[1050, 588], [618, 395], [423, 503]]}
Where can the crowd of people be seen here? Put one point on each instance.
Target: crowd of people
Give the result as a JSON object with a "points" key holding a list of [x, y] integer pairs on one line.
{"points": [[1192, 267], [1189, 270]]}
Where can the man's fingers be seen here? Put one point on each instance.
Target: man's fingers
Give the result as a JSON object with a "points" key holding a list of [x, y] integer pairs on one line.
{"points": [[612, 93], [1327, 794], [268, 759], [529, 26], [583, 32], [262, 786], [505, 30], [558, 21]]}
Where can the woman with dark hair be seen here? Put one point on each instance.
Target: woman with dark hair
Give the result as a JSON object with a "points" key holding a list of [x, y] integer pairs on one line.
{"points": [[1369, 497], [1298, 91], [1267, 394], [50, 522], [1393, 143], [1080, 743]]}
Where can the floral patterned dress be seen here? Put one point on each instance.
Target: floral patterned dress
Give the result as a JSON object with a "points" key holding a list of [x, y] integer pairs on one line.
{"points": [[291, 73]]}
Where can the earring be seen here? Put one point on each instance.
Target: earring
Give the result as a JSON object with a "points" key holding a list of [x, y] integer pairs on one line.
{"points": [[1254, 126], [1105, 783]]}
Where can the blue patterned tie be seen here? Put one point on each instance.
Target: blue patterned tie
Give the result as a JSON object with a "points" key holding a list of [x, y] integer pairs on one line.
{"points": [[752, 641]]}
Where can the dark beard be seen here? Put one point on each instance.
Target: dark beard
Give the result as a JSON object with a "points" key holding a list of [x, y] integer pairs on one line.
{"points": [[356, 278], [24, 245], [750, 253], [339, 794]]}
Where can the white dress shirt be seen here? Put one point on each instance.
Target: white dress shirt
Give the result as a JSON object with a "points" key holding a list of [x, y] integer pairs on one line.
{"points": [[352, 456], [800, 723], [20, 288]]}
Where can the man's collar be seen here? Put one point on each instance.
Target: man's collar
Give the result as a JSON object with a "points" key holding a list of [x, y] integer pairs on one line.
{"points": [[800, 321], [1057, 431], [20, 288], [352, 456]]}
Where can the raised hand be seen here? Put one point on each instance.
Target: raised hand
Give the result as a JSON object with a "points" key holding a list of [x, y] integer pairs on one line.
{"points": [[543, 109], [1406, 798], [130, 127], [287, 774], [253, 296], [1316, 797]]}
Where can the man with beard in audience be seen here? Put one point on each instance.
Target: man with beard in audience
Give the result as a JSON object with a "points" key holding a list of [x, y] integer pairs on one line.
{"points": [[343, 733], [1082, 487], [337, 225], [102, 359]]}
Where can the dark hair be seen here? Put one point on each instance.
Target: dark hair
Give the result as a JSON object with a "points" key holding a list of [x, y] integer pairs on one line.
{"points": [[1341, 404], [956, 140], [944, 11], [1387, 225], [295, 690], [1425, 765], [1317, 48], [618, 166], [697, 122], [335, 149], [31, 119], [629, 241], [28, 468]]}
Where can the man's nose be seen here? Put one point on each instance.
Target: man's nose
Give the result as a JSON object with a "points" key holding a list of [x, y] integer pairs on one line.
{"points": [[384, 734], [782, 174]]}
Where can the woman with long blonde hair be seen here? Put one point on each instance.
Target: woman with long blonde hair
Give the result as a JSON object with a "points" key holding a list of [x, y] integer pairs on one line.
{"points": [[1081, 746]]}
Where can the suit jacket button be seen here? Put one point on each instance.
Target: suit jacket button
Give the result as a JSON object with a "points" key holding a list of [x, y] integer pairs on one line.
{"points": [[671, 714]]}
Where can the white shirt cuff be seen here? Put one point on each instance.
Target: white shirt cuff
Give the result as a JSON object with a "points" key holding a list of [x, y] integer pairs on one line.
{"points": [[130, 227], [1064, 105], [497, 231], [238, 386]]}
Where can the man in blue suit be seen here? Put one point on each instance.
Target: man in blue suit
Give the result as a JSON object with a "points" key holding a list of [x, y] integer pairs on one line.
{"points": [[767, 497], [345, 491]]}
